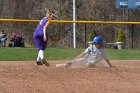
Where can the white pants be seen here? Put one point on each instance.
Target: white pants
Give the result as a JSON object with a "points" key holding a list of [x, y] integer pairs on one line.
{"points": [[88, 60]]}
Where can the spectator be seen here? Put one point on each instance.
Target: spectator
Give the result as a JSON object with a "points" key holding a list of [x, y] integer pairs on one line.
{"points": [[3, 38], [17, 40]]}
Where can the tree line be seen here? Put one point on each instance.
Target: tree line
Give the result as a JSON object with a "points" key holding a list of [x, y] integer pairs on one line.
{"points": [[61, 33]]}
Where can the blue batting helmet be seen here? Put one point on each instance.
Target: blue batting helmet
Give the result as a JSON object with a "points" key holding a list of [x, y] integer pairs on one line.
{"points": [[98, 39]]}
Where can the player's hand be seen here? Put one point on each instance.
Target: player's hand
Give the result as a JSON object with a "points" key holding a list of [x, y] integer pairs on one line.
{"points": [[44, 39], [111, 66]]}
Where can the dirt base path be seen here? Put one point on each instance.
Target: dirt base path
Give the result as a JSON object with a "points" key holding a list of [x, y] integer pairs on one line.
{"points": [[27, 77]]}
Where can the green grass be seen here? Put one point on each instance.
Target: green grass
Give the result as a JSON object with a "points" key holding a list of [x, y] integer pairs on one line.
{"points": [[14, 54], [125, 54], [9, 54]]}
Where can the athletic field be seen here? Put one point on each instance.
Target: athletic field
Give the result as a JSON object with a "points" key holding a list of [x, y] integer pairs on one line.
{"points": [[22, 75]]}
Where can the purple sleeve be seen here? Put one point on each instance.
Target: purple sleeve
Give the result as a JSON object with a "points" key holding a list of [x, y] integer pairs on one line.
{"points": [[42, 23]]}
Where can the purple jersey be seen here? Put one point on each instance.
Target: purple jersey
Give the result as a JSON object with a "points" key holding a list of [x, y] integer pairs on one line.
{"points": [[38, 35]]}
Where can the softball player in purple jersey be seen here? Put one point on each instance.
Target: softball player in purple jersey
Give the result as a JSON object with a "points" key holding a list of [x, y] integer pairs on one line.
{"points": [[41, 37]]}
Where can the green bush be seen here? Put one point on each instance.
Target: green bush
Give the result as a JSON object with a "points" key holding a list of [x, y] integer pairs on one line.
{"points": [[121, 36]]}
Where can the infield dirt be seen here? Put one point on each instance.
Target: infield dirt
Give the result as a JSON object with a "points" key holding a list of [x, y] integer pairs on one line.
{"points": [[27, 77]]}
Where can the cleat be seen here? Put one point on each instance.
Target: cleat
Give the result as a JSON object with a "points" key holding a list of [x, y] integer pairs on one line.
{"points": [[61, 65], [38, 63], [45, 62], [68, 64]]}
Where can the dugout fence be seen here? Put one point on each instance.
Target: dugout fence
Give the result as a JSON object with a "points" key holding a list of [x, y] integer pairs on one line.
{"points": [[61, 34]]}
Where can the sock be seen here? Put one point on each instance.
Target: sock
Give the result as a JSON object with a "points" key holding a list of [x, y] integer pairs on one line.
{"points": [[38, 58], [41, 54]]}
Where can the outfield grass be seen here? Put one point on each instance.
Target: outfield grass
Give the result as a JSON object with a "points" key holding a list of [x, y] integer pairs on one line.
{"points": [[125, 54], [9, 54]]}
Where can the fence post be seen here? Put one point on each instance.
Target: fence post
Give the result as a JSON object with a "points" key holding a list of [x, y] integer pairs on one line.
{"points": [[132, 34], [85, 34]]}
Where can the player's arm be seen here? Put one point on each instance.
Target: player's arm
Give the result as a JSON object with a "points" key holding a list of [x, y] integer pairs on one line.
{"points": [[108, 62], [83, 53], [106, 59], [80, 55], [44, 29]]}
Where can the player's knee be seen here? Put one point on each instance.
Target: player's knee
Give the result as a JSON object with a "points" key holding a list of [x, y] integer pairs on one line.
{"points": [[90, 64]]}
